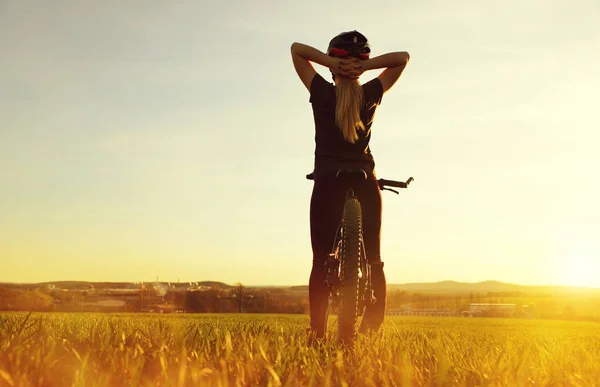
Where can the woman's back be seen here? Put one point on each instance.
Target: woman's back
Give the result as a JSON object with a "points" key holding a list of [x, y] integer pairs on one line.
{"points": [[332, 150]]}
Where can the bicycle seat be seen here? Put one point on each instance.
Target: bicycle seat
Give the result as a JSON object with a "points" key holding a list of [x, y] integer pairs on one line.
{"points": [[349, 171]]}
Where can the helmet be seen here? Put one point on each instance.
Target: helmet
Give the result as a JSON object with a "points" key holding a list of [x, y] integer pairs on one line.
{"points": [[351, 43]]}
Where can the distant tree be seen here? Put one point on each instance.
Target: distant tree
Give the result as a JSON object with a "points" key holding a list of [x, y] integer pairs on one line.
{"points": [[33, 300], [568, 310], [206, 301], [178, 299], [194, 302], [8, 298], [396, 298], [241, 296]]}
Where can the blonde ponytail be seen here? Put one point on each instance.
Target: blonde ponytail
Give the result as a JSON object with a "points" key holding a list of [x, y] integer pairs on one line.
{"points": [[349, 101]]}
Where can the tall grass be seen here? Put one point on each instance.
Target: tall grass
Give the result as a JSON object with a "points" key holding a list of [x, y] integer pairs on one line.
{"points": [[271, 350]]}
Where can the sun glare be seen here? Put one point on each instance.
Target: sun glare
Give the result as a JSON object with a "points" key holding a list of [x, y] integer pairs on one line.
{"points": [[581, 270]]}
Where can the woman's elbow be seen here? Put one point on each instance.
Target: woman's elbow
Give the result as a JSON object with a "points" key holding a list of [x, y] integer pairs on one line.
{"points": [[403, 58]]}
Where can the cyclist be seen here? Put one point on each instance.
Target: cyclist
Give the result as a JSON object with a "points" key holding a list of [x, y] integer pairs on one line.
{"points": [[343, 114]]}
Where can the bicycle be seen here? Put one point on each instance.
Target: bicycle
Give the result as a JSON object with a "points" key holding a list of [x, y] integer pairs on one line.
{"points": [[348, 271]]}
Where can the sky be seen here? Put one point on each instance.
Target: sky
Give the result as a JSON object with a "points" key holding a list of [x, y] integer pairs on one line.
{"points": [[170, 139]]}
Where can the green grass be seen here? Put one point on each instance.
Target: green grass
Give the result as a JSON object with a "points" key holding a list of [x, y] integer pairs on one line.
{"points": [[241, 350]]}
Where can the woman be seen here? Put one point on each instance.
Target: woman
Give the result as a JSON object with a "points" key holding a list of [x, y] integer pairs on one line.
{"points": [[343, 115]]}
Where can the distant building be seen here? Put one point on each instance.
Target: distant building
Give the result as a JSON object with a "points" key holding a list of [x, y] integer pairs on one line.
{"points": [[505, 310], [409, 311], [475, 310]]}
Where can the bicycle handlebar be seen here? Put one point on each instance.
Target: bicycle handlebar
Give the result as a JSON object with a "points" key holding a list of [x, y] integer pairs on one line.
{"points": [[382, 183], [392, 183]]}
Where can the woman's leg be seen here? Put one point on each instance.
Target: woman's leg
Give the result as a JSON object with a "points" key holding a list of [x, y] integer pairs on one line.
{"points": [[370, 199], [326, 207]]}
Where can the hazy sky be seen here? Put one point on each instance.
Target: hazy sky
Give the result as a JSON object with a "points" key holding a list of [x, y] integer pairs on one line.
{"points": [[153, 138]]}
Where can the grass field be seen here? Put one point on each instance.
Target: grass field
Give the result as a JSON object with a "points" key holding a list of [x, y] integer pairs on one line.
{"points": [[241, 350]]}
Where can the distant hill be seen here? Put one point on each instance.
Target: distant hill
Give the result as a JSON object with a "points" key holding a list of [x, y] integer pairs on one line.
{"points": [[489, 286], [452, 287], [479, 287], [460, 287], [106, 285], [215, 283]]}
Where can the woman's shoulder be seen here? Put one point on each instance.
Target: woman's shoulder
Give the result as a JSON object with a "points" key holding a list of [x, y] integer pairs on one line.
{"points": [[319, 82], [373, 85], [373, 90], [319, 87]]}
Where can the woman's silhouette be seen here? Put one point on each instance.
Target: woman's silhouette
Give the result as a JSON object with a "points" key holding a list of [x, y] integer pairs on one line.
{"points": [[343, 114]]}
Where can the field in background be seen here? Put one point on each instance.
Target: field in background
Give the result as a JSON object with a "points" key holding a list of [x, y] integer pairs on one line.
{"points": [[237, 350], [446, 297]]}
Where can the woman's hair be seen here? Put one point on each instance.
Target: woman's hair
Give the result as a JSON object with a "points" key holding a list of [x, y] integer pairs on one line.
{"points": [[349, 101]]}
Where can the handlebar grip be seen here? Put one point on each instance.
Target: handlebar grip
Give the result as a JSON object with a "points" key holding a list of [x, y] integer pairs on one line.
{"points": [[392, 183]]}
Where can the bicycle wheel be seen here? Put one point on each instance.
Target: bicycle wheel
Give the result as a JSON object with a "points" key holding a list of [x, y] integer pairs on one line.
{"points": [[349, 269]]}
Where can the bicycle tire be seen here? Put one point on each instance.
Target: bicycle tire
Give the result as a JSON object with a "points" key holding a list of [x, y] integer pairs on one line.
{"points": [[364, 282], [349, 268]]}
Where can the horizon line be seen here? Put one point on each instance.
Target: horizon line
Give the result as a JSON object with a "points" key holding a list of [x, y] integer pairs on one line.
{"points": [[288, 285]]}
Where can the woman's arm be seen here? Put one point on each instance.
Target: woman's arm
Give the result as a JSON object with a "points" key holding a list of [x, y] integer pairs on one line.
{"points": [[394, 64], [303, 54]]}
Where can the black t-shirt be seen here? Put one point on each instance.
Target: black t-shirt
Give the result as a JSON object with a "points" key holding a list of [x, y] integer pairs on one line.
{"points": [[332, 151]]}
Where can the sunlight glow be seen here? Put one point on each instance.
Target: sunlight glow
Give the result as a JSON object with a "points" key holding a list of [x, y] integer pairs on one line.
{"points": [[581, 269]]}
